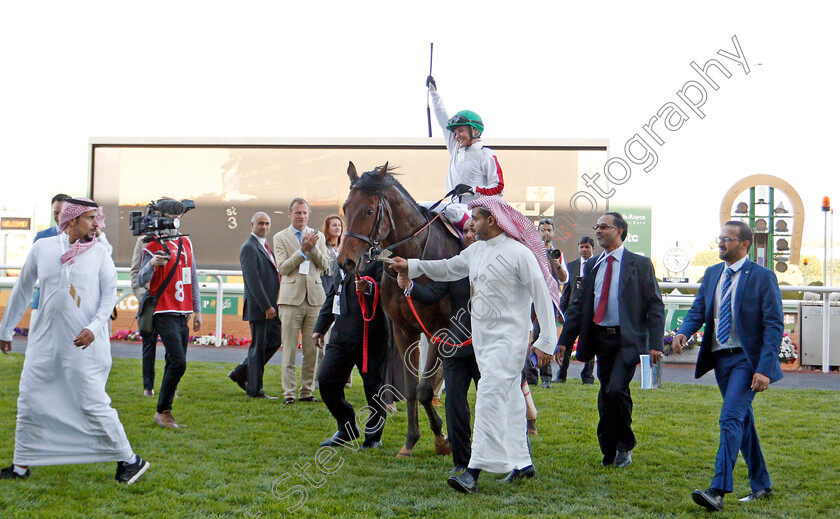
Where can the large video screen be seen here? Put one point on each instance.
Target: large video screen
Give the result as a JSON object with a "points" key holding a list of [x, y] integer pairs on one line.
{"points": [[229, 182]]}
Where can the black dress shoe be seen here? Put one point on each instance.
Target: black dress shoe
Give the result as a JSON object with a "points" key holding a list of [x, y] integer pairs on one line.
{"points": [[709, 499], [559, 380], [588, 382], [308, 399], [262, 394], [623, 459], [517, 474], [756, 494], [375, 444], [239, 379], [338, 439], [464, 483], [607, 461], [9, 473]]}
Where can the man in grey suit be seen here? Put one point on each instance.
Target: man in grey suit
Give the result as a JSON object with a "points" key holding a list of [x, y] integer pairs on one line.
{"points": [[618, 316], [570, 293], [262, 284]]}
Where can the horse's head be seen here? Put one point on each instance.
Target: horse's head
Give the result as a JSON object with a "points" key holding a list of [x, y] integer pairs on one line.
{"points": [[368, 215]]}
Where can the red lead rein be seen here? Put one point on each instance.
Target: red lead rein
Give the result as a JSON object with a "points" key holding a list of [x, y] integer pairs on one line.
{"points": [[363, 304], [434, 338]]}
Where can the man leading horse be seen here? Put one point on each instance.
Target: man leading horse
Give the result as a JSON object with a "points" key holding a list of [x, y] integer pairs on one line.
{"points": [[508, 271]]}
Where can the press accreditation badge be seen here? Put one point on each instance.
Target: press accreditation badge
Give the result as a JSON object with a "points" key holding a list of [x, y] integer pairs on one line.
{"points": [[336, 309], [303, 269], [186, 277]]}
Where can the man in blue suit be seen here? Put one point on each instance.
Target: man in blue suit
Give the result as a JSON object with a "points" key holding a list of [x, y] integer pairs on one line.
{"points": [[56, 205], [740, 303]]}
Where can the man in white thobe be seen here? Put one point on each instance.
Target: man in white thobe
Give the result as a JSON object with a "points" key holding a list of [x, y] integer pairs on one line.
{"points": [[505, 278], [64, 414]]}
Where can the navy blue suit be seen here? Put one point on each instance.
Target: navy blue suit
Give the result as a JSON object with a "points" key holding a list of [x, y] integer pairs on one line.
{"points": [[46, 233], [758, 324]]}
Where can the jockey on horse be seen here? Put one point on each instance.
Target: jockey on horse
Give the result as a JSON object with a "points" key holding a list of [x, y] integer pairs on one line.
{"points": [[474, 169]]}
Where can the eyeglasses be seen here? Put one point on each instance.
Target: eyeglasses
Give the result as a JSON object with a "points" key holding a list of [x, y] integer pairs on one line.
{"points": [[725, 239], [603, 227]]}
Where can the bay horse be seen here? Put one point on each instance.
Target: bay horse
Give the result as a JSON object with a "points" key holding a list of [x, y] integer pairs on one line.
{"points": [[380, 214]]}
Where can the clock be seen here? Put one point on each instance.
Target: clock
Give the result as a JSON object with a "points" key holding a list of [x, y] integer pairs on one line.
{"points": [[676, 260]]}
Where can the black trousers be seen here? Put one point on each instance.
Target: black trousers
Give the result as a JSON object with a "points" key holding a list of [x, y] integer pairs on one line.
{"points": [[458, 372], [615, 406], [175, 334], [337, 365], [586, 374], [149, 353], [265, 341]]}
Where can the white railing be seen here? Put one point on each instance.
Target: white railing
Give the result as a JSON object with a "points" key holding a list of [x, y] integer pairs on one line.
{"points": [[673, 302], [676, 302], [124, 289]]}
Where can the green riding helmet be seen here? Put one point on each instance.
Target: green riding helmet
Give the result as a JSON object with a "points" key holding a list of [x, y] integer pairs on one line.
{"points": [[466, 118]]}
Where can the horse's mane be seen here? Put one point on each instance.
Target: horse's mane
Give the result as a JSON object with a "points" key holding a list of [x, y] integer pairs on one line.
{"points": [[372, 183]]}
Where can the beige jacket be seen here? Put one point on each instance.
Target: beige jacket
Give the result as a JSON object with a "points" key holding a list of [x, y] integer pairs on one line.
{"points": [[295, 288]]}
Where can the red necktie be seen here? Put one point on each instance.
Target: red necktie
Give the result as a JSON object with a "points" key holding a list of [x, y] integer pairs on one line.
{"points": [[605, 292], [270, 254]]}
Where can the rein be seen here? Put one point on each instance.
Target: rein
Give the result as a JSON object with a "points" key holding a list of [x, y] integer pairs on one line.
{"points": [[434, 338], [373, 240], [374, 252], [367, 319]]}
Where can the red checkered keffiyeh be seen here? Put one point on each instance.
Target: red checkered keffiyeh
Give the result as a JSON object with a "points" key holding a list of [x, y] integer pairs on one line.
{"points": [[522, 230], [73, 208]]}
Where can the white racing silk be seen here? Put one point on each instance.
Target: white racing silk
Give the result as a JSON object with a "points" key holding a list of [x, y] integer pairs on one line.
{"points": [[505, 279], [64, 414]]}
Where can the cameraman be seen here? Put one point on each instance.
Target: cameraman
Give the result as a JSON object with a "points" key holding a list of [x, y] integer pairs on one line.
{"points": [[174, 305]]}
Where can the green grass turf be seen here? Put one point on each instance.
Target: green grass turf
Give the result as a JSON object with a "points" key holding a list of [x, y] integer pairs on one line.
{"points": [[236, 450]]}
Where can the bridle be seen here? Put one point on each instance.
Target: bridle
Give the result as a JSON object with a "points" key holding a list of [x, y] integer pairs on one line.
{"points": [[374, 239]]}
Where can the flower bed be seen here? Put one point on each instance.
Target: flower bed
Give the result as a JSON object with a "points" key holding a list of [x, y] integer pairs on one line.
{"points": [[789, 351], [198, 340], [691, 343]]}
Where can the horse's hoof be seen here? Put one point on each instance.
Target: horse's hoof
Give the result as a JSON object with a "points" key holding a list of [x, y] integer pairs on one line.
{"points": [[442, 446], [404, 453]]}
